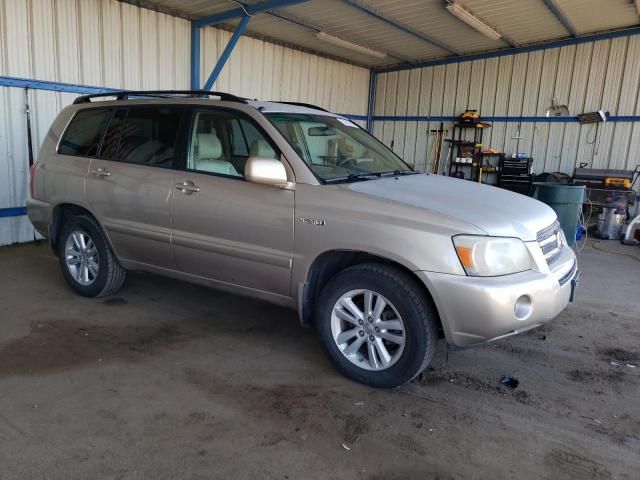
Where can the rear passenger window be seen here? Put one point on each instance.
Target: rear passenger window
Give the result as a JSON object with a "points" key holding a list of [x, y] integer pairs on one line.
{"points": [[82, 137], [149, 136]]}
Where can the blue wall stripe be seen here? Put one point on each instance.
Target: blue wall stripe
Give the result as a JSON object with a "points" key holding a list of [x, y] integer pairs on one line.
{"points": [[512, 51], [435, 118], [13, 212]]}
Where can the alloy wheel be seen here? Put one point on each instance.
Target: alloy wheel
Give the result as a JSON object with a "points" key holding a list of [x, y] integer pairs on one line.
{"points": [[81, 257], [367, 329]]}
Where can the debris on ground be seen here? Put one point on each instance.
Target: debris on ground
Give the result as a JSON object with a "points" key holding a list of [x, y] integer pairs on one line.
{"points": [[346, 447], [510, 382]]}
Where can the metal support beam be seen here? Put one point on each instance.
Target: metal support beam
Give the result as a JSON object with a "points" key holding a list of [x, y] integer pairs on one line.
{"points": [[226, 53], [400, 26], [371, 107], [33, 84], [195, 57], [243, 11], [628, 32], [551, 5]]}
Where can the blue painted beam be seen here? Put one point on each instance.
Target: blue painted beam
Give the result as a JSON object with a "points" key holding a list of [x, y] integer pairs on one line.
{"points": [[195, 57], [13, 212], [19, 82], [243, 11], [227, 53], [551, 5], [400, 26], [513, 51], [449, 118]]}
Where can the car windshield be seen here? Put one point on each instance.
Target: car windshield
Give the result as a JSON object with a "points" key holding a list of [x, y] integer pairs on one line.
{"points": [[336, 149]]}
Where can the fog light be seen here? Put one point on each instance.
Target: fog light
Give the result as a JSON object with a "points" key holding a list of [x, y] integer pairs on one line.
{"points": [[523, 307]]}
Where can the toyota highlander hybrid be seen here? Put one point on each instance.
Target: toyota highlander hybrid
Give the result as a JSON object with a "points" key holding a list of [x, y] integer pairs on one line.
{"points": [[301, 207]]}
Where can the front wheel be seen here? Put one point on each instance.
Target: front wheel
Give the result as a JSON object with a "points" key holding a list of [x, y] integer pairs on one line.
{"points": [[377, 325], [87, 261]]}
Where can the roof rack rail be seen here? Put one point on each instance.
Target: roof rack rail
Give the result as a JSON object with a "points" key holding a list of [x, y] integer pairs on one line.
{"points": [[308, 105], [125, 94]]}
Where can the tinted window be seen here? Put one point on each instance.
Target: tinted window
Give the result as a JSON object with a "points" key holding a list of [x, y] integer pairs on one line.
{"points": [[82, 137], [149, 136]]}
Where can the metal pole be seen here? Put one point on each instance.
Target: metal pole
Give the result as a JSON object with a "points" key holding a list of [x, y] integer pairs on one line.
{"points": [[373, 81], [195, 57]]}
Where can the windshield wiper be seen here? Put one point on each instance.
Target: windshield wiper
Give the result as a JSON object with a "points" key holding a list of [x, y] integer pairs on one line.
{"points": [[370, 175], [399, 172], [353, 177]]}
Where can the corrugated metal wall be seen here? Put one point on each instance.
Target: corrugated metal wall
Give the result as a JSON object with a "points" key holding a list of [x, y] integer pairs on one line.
{"points": [[263, 70], [112, 44], [590, 76]]}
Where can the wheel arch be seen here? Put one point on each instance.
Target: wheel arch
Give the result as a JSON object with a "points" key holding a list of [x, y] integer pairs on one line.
{"points": [[326, 265], [60, 213]]}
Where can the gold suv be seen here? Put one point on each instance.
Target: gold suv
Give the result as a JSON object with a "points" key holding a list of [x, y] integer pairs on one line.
{"points": [[301, 207]]}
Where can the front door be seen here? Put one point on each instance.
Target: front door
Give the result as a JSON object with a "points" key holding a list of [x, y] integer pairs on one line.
{"points": [[225, 228], [130, 183]]}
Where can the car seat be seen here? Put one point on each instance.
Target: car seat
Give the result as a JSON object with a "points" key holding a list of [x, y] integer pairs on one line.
{"points": [[209, 151]]}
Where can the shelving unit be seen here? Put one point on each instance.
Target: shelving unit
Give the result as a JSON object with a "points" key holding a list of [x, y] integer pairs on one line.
{"points": [[487, 168], [465, 149]]}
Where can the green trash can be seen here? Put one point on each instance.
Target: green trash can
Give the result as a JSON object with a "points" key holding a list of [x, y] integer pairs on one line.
{"points": [[566, 201]]}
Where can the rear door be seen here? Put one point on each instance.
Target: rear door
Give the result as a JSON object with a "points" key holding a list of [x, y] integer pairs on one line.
{"points": [[129, 185], [226, 228]]}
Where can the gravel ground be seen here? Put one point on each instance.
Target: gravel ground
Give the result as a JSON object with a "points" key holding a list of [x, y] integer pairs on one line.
{"points": [[171, 380]]}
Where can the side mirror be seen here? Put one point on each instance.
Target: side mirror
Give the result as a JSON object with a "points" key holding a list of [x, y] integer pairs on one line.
{"points": [[266, 171]]}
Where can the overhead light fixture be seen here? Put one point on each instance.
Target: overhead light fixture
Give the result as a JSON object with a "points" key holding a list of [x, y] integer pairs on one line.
{"points": [[467, 17], [351, 46]]}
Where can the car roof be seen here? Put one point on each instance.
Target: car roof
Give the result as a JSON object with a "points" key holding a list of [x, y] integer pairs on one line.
{"points": [[177, 96], [288, 107]]}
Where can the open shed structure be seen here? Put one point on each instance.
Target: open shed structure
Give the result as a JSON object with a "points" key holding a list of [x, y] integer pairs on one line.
{"points": [[398, 68]]}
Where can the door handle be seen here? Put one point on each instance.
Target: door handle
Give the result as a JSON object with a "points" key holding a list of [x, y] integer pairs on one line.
{"points": [[187, 187], [101, 172]]}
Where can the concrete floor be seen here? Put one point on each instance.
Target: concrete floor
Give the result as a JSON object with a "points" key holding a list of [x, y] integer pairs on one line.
{"points": [[171, 380]]}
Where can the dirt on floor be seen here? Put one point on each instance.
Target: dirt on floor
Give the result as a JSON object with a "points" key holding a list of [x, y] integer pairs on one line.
{"points": [[171, 380]]}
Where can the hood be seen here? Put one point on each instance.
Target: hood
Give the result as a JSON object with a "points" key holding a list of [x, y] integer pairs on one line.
{"points": [[496, 211]]}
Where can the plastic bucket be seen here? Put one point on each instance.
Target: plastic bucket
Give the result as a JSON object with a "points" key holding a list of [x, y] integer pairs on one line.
{"points": [[566, 201]]}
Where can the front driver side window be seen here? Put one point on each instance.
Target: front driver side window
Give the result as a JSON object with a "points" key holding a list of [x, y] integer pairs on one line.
{"points": [[221, 143]]}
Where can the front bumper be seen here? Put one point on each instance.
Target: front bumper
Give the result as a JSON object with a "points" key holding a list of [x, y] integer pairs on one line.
{"points": [[475, 310]]}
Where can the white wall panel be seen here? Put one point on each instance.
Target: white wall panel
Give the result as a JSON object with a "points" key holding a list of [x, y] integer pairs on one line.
{"points": [[259, 69], [601, 75], [88, 42], [112, 44]]}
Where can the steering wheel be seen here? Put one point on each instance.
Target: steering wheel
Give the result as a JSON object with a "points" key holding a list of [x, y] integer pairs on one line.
{"points": [[344, 161]]}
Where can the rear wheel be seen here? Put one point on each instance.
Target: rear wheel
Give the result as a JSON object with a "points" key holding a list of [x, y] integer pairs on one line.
{"points": [[377, 325], [86, 258]]}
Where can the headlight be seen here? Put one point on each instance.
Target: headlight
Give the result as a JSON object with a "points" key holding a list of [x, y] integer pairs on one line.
{"points": [[491, 256]]}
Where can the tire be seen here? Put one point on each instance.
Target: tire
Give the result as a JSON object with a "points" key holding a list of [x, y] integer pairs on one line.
{"points": [[109, 274], [413, 345]]}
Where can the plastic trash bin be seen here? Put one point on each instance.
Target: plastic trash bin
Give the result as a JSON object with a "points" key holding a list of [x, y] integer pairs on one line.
{"points": [[566, 201]]}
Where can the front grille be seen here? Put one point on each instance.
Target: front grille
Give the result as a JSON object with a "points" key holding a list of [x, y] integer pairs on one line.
{"points": [[550, 241], [569, 275]]}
